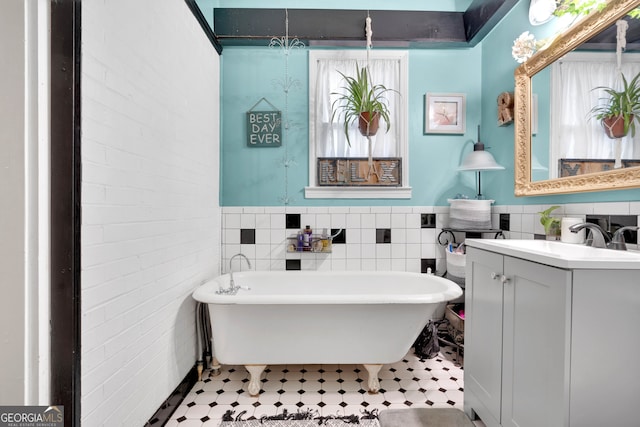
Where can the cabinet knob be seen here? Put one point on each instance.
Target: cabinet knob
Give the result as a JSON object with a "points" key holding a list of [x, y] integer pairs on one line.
{"points": [[494, 275], [504, 279]]}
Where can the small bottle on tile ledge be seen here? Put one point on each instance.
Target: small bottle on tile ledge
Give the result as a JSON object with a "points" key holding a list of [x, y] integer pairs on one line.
{"points": [[300, 241], [307, 238]]}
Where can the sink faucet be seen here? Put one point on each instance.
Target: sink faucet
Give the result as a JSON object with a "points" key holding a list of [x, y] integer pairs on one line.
{"points": [[617, 241], [233, 289], [600, 238]]}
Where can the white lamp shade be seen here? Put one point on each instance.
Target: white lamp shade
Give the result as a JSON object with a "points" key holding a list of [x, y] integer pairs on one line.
{"points": [[479, 161], [541, 11]]}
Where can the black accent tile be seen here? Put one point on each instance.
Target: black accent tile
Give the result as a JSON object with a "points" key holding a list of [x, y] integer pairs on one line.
{"points": [[212, 404], [428, 220], [292, 221], [361, 391], [451, 402], [299, 404], [190, 404], [322, 404], [426, 263], [234, 404], [293, 264], [341, 391], [430, 403], [181, 419], [505, 221], [383, 235], [365, 404], [321, 391], [200, 391], [248, 236], [442, 390], [300, 391], [385, 403], [340, 238], [343, 404], [205, 419], [281, 391], [407, 403], [219, 391], [278, 404], [612, 222]]}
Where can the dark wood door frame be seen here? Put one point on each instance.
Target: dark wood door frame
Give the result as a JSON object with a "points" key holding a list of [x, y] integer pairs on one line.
{"points": [[65, 207]]}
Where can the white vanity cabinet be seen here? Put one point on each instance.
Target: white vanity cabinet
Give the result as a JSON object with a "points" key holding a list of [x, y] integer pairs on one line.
{"points": [[551, 340]]}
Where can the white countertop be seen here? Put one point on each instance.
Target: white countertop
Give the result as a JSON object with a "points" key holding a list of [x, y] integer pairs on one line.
{"points": [[561, 255]]}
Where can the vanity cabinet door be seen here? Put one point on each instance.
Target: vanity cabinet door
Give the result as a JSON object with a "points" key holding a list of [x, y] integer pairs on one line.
{"points": [[483, 336], [536, 352]]}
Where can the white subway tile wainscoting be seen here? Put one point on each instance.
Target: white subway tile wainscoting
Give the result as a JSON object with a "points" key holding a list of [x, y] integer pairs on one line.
{"points": [[403, 238]]}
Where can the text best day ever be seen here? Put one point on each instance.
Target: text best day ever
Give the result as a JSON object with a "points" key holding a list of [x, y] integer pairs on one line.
{"points": [[264, 127]]}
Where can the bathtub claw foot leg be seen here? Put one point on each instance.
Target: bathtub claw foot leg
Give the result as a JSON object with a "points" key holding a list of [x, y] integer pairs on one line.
{"points": [[255, 371], [373, 383], [199, 369], [215, 368]]}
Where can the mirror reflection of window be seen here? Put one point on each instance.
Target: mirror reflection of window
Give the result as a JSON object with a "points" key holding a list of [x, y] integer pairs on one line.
{"points": [[573, 133]]}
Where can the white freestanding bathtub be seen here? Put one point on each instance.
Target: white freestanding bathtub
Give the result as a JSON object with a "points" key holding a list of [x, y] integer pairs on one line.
{"points": [[313, 317]]}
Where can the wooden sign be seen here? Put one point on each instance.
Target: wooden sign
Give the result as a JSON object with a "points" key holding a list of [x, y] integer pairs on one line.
{"points": [[264, 128], [574, 167], [348, 171]]}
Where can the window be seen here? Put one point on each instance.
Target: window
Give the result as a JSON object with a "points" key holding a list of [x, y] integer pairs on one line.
{"points": [[327, 140], [574, 134]]}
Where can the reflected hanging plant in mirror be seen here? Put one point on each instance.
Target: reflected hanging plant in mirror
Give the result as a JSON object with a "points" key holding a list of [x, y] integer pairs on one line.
{"points": [[619, 112]]}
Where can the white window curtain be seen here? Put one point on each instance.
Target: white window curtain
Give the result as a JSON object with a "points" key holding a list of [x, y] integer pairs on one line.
{"points": [[330, 138], [574, 134]]}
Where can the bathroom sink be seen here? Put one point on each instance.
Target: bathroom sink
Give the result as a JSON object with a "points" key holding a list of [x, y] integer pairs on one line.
{"points": [[558, 254]]}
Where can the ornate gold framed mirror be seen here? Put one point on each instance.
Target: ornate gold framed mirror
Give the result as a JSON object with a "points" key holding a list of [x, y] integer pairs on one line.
{"points": [[578, 34]]}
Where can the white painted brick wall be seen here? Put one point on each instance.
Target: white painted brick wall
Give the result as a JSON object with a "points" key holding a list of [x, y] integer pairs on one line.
{"points": [[150, 215]]}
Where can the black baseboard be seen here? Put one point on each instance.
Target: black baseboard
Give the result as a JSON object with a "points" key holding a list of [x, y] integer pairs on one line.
{"points": [[168, 407]]}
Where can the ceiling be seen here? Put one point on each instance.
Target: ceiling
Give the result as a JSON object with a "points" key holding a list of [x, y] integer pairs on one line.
{"points": [[606, 40], [334, 27], [391, 28]]}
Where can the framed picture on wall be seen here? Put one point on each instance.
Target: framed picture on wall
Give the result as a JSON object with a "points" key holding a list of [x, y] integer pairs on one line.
{"points": [[444, 113]]}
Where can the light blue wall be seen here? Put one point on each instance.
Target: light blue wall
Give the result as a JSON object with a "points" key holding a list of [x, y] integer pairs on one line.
{"points": [[498, 67], [254, 176]]}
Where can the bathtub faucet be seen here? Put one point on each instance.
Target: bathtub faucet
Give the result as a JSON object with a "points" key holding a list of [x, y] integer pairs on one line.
{"points": [[233, 289]]}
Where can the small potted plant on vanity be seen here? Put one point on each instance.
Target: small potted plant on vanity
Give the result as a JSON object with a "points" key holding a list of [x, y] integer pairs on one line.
{"points": [[620, 111], [362, 101], [551, 224]]}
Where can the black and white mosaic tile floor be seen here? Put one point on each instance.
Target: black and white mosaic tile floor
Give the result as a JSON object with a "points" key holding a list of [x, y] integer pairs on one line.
{"points": [[326, 389]]}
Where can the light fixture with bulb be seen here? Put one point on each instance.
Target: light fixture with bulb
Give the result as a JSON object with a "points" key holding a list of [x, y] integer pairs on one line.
{"points": [[479, 160]]}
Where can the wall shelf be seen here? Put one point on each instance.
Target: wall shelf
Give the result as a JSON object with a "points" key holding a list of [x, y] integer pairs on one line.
{"points": [[319, 245]]}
